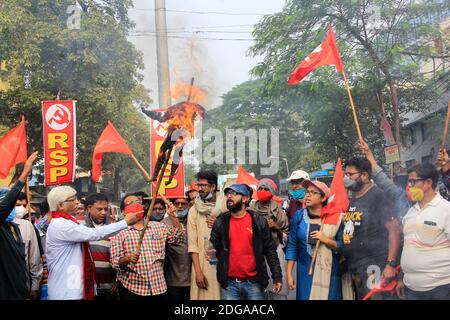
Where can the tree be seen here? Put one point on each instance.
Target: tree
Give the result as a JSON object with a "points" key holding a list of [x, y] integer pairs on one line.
{"points": [[95, 65], [382, 43]]}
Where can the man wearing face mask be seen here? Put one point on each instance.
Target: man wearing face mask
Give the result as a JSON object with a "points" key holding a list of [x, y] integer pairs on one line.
{"points": [[201, 217], [278, 224], [371, 236], [425, 260], [32, 252], [296, 192], [159, 211], [178, 263], [13, 269]]}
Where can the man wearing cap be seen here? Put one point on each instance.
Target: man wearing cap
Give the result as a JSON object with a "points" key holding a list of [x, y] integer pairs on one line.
{"points": [[69, 257], [297, 193], [13, 269], [278, 224], [243, 243]]}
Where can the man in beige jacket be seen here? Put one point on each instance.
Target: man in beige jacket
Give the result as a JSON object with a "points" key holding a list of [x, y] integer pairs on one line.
{"points": [[201, 217]]}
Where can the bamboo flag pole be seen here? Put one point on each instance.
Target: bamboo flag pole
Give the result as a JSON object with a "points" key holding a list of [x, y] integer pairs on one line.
{"points": [[358, 129], [152, 204], [313, 259], [27, 189], [140, 167], [444, 137]]}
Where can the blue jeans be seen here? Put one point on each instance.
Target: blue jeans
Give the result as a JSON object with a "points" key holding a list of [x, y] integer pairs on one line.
{"points": [[242, 290]]}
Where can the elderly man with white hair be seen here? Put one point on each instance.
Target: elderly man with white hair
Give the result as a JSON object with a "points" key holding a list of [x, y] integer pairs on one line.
{"points": [[70, 264]]}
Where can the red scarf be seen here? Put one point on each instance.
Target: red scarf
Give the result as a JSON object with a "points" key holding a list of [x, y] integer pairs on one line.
{"points": [[88, 262]]}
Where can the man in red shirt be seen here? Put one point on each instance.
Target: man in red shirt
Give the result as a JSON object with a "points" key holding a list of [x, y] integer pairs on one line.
{"points": [[243, 242]]}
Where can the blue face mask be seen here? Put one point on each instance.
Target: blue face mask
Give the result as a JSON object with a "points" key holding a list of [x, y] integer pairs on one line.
{"points": [[208, 197], [182, 214], [297, 194], [11, 216]]}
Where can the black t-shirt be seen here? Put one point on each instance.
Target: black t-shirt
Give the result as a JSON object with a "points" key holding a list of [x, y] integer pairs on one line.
{"points": [[365, 235]]}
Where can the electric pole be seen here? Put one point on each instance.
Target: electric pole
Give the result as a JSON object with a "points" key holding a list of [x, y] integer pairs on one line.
{"points": [[162, 54]]}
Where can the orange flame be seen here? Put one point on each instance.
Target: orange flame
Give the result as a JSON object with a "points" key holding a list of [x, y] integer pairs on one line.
{"points": [[182, 90], [183, 115]]}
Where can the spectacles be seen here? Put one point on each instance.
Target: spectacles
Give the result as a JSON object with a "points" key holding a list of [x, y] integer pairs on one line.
{"points": [[311, 193], [298, 181], [350, 174], [203, 185], [266, 189], [71, 199], [180, 203], [230, 193], [158, 209], [412, 182], [133, 202]]}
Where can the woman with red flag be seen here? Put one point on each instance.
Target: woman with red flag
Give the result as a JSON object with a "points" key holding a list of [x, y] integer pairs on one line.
{"points": [[306, 229]]}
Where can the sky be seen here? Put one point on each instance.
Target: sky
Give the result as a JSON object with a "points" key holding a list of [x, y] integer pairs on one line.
{"points": [[216, 65]]}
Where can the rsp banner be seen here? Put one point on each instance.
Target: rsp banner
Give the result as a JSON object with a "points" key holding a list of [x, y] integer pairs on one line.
{"points": [[59, 129], [158, 133]]}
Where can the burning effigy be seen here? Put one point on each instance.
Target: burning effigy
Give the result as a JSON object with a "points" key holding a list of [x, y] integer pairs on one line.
{"points": [[180, 119]]}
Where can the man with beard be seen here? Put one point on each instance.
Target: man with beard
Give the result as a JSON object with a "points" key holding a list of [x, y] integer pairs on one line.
{"points": [[371, 236], [177, 266], [243, 243], [201, 217], [97, 216]]}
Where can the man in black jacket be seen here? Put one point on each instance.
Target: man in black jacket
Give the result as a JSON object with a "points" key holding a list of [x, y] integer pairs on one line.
{"points": [[242, 239], [13, 269]]}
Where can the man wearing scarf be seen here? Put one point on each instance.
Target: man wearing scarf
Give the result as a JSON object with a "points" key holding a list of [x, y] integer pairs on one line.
{"points": [[201, 217], [279, 226], [69, 256], [296, 192]]}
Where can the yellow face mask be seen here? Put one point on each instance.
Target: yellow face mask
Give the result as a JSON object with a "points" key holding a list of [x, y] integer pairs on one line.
{"points": [[414, 194]]}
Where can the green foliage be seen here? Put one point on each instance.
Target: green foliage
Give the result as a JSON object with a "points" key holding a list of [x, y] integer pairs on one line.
{"points": [[95, 65]]}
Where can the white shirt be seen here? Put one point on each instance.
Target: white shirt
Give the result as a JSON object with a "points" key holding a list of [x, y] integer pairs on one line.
{"points": [[426, 252], [64, 255]]}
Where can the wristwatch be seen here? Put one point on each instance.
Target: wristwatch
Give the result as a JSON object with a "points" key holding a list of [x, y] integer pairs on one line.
{"points": [[391, 263]]}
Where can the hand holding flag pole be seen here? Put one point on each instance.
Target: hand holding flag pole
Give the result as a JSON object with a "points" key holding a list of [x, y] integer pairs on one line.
{"points": [[325, 54]]}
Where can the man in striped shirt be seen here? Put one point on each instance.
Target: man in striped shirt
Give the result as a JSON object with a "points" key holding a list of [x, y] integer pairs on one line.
{"points": [[97, 216]]}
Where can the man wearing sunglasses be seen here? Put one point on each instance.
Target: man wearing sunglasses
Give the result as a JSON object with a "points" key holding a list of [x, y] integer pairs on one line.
{"points": [[243, 243], [425, 260]]}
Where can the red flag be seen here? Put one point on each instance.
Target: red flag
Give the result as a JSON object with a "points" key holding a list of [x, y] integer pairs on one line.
{"points": [[109, 141], [379, 288], [325, 54], [338, 199], [13, 149], [247, 178]]}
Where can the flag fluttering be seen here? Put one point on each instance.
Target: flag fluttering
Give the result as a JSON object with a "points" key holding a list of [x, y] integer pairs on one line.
{"points": [[325, 54], [13, 148], [338, 199], [110, 141]]}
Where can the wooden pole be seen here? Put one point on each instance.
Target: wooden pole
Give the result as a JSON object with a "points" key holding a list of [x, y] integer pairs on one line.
{"points": [[140, 167], [190, 90], [155, 193], [27, 189], [358, 129], [313, 259], [444, 137]]}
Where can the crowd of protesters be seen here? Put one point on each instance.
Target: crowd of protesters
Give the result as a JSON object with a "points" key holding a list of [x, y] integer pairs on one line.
{"points": [[234, 244]]}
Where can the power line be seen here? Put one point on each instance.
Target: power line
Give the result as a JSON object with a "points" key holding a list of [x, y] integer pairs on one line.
{"points": [[211, 27], [190, 38], [193, 31], [206, 12]]}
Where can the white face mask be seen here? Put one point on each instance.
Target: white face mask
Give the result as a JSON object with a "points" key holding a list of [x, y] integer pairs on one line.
{"points": [[21, 211]]}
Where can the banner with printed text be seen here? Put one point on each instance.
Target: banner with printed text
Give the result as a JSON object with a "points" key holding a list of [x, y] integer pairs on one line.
{"points": [[158, 133], [59, 130]]}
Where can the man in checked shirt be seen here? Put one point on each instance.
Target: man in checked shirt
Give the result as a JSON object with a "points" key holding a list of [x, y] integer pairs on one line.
{"points": [[142, 276]]}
